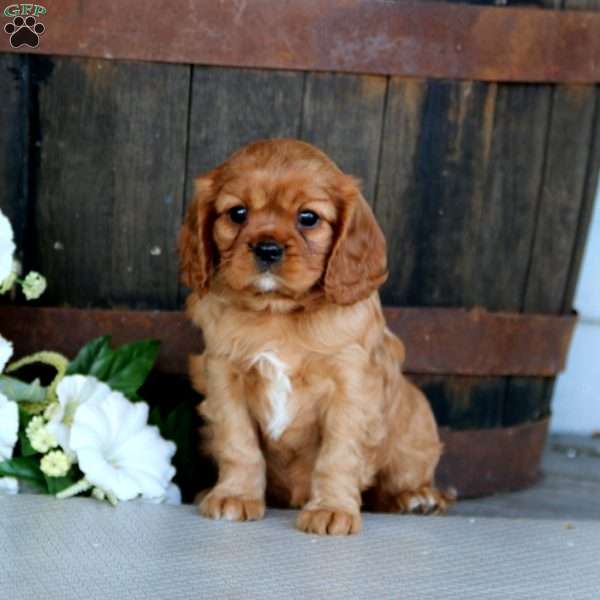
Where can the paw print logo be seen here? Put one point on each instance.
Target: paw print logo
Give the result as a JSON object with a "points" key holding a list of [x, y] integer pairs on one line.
{"points": [[24, 32]]}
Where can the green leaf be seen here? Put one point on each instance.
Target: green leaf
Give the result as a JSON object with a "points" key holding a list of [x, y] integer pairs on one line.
{"points": [[131, 365], [24, 418], [176, 427], [33, 408], [45, 357], [26, 447], [25, 444], [94, 352], [58, 484], [124, 369], [25, 468], [155, 418], [16, 390]]}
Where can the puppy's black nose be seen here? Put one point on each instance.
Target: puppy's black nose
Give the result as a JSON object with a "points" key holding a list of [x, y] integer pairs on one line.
{"points": [[268, 252]]}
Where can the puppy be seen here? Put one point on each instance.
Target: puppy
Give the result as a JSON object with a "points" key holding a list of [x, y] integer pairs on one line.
{"points": [[305, 401]]}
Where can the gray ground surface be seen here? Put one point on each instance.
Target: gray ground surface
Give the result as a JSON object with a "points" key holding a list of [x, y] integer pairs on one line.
{"points": [[82, 549]]}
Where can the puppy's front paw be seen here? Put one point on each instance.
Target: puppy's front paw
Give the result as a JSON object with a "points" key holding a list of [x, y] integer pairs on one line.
{"points": [[324, 521], [232, 508]]}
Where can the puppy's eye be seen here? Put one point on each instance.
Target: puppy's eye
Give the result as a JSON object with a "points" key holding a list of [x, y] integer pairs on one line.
{"points": [[238, 214], [307, 218]]}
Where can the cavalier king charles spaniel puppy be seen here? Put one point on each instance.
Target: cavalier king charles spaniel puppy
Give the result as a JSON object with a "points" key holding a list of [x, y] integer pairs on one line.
{"points": [[305, 402]]}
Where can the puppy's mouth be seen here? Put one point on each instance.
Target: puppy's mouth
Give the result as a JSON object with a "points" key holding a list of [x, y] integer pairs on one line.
{"points": [[267, 282]]}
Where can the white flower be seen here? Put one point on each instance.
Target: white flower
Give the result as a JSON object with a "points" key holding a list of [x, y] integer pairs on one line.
{"points": [[9, 485], [172, 495], [7, 247], [118, 451], [6, 350], [9, 427], [34, 285], [42, 440], [34, 425], [9, 282], [72, 392], [55, 464]]}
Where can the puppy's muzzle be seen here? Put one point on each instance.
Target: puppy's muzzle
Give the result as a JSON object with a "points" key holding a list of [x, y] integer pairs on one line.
{"points": [[267, 253]]}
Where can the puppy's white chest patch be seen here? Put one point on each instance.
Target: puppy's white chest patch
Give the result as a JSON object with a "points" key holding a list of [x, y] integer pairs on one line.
{"points": [[279, 388]]}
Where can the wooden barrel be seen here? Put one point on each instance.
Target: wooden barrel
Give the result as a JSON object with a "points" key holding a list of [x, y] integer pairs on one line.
{"points": [[480, 160]]}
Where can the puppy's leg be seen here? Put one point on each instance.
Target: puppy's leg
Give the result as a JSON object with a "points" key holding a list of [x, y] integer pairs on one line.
{"points": [[405, 484], [334, 504], [232, 440], [196, 369]]}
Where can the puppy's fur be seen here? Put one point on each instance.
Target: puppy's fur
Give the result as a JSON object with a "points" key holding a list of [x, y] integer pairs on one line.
{"points": [[305, 399]]}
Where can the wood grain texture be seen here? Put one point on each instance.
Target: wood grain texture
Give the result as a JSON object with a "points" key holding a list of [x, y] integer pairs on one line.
{"points": [[462, 402], [429, 202], [590, 192], [513, 176], [507, 230], [394, 198], [568, 146], [409, 39], [14, 144], [462, 166], [232, 107], [435, 152], [563, 212], [592, 171], [484, 190], [522, 117], [342, 115], [439, 341], [110, 181]]}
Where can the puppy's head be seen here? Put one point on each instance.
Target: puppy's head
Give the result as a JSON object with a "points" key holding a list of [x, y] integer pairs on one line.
{"points": [[279, 218]]}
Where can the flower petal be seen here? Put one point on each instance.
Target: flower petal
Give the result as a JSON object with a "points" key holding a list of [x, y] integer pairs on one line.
{"points": [[72, 392], [9, 426], [9, 485], [117, 450], [7, 247], [6, 351]]}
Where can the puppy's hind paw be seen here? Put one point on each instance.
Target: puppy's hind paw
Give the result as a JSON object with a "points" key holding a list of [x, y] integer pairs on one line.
{"points": [[232, 508], [425, 501], [328, 522]]}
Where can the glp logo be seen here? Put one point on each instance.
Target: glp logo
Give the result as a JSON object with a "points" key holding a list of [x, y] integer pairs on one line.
{"points": [[25, 29]]}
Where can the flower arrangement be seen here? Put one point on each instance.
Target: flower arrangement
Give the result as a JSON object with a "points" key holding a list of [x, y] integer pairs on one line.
{"points": [[33, 284], [88, 430]]}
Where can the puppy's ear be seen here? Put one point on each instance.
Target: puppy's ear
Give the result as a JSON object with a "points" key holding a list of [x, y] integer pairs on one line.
{"points": [[197, 254], [357, 265]]}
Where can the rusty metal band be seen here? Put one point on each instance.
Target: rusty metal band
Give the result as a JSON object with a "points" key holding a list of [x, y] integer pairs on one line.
{"points": [[405, 38], [477, 462], [438, 341]]}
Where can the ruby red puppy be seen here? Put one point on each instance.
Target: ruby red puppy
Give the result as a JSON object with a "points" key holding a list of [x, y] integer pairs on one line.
{"points": [[305, 401]]}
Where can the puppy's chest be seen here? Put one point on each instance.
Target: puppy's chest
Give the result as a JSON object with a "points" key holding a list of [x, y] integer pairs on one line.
{"points": [[281, 395]]}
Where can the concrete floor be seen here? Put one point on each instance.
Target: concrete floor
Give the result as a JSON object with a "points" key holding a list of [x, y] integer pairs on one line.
{"points": [[541, 543]]}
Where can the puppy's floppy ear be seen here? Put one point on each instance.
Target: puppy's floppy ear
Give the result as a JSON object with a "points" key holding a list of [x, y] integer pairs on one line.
{"points": [[197, 254], [357, 265]]}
